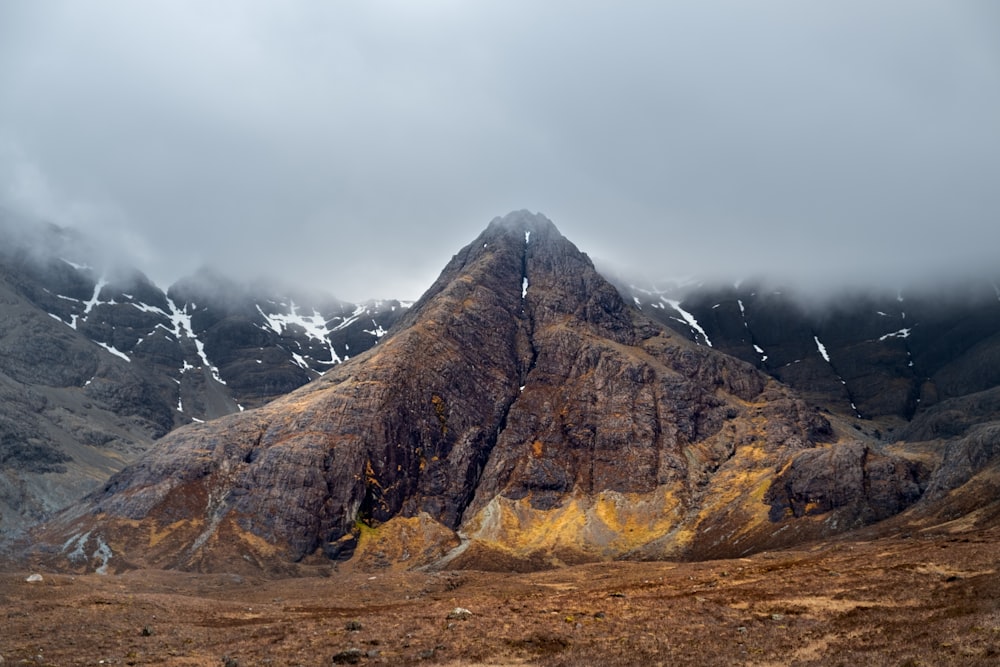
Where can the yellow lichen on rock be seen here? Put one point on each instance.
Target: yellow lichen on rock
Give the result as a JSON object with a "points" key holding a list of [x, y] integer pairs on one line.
{"points": [[158, 534], [608, 525], [403, 543]]}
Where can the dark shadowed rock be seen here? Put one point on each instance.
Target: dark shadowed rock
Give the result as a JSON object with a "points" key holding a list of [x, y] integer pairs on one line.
{"points": [[863, 485], [887, 354]]}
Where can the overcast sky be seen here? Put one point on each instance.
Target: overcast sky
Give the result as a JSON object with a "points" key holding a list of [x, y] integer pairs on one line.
{"points": [[355, 146]]}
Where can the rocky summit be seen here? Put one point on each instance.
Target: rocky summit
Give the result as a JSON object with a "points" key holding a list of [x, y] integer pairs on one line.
{"points": [[520, 415]]}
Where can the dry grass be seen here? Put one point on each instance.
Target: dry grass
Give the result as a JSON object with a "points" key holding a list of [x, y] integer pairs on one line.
{"points": [[929, 600]]}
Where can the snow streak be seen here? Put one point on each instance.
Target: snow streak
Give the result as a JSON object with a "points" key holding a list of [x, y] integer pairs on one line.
{"points": [[688, 318]]}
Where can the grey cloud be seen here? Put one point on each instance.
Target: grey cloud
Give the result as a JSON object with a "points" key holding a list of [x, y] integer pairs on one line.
{"points": [[356, 146]]}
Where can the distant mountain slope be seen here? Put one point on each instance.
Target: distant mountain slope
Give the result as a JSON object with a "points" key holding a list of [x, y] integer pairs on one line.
{"points": [[872, 355], [96, 362]]}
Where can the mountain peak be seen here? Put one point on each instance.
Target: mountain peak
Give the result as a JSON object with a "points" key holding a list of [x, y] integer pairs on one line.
{"points": [[535, 273], [524, 221], [520, 410]]}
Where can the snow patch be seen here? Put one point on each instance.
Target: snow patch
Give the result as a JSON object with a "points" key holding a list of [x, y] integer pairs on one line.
{"points": [[183, 328], [902, 333], [88, 305], [378, 332], [822, 349], [313, 324], [113, 350], [299, 360], [743, 314], [348, 321], [146, 308], [78, 267], [688, 318], [524, 287]]}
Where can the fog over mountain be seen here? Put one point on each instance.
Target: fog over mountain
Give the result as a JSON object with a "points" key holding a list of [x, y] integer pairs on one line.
{"points": [[346, 146]]}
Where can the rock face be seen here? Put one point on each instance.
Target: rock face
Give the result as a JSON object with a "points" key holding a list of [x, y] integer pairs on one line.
{"points": [[520, 415]]}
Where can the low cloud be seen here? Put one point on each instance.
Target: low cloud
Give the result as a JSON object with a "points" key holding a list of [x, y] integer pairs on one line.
{"points": [[355, 148]]}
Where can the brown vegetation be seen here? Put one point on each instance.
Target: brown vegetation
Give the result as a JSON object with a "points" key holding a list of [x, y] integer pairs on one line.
{"points": [[918, 599]]}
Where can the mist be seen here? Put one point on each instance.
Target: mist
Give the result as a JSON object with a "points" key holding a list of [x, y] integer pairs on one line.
{"points": [[354, 148]]}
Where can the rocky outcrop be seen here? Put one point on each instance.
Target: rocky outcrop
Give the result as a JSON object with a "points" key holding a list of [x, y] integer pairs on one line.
{"points": [[864, 486], [521, 412]]}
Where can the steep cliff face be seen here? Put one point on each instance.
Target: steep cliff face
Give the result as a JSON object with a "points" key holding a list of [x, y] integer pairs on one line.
{"points": [[520, 415]]}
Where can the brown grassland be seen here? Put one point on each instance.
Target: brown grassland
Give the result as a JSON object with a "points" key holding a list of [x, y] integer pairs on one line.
{"points": [[919, 599]]}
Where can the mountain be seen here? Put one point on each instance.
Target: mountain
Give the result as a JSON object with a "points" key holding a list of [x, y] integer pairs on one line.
{"points": [[881, 356], [520, 415], [96, 362]]}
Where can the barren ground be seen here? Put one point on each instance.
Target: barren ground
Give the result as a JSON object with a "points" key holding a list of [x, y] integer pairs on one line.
{"points": [[919, 600]]}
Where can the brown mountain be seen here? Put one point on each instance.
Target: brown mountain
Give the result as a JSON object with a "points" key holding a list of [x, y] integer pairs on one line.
{"points": [[519, 415]]}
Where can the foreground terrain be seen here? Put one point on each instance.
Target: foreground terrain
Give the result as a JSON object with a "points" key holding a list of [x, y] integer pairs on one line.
{"points": [[930, 598]]}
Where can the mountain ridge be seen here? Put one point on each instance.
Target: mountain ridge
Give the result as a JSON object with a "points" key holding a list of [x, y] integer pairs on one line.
{"points": [[520, 415], [535, 415]]}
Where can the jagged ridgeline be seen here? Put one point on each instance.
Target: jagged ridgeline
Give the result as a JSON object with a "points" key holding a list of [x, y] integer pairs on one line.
{"points": [[519, 415]]}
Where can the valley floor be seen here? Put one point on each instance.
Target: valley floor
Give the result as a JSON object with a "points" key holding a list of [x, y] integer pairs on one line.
{"points": [[925, 599]]}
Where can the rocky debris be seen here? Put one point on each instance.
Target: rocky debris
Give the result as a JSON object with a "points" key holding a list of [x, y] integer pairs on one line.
{"points": [[459, 614], [350, 656], [964, 457]]}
